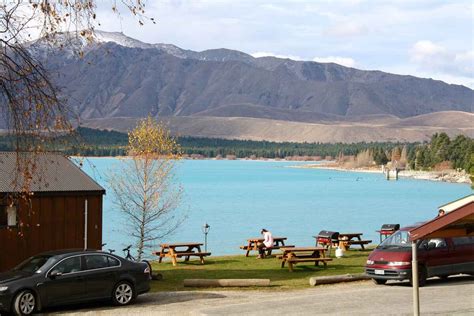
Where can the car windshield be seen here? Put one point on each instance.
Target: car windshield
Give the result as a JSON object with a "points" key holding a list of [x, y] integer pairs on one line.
{"points": [[33, 264], [399, 239]]}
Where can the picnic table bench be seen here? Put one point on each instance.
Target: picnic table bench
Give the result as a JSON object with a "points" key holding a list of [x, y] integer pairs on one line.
{"points": [[348, 239], [294, 255], [188, 250], [252, 245]]}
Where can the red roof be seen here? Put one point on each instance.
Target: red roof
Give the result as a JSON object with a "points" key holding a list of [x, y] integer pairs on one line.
{"points": [[456, 223]]}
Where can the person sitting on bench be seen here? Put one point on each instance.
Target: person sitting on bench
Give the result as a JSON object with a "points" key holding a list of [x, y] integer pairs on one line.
{"points": [[267, 243]]}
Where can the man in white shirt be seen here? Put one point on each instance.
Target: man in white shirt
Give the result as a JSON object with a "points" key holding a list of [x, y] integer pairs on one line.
{"points": [[267, 243]]}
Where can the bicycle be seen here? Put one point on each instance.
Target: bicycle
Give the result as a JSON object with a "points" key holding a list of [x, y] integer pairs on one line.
{"points": [[110, 250], [128, 256]]}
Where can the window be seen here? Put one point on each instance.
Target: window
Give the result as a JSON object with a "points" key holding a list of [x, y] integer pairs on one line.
{"points": [[399, 239], [69, 265], [459, 241], [113, 262], [33, 264], [8, 216], [438, 242], [96, 262], [433, 243], [11, 215]]}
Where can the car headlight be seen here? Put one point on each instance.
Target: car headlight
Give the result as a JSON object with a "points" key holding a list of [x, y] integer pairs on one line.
{"points": [[370, 262], [399, 263], [3, 288]]}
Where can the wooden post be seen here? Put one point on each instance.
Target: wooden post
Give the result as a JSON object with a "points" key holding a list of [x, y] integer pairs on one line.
{"points": [[162, 254], [414, 276], [85, 224], [173, 256], [290, 266], [337, 278], [248, 248]]}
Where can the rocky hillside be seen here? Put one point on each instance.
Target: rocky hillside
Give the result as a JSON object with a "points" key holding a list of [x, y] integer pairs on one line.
{"points": [[120, 77]]}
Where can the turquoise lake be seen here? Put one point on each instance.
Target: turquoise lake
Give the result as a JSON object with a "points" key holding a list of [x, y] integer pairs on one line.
{"points": [[238, 198]]}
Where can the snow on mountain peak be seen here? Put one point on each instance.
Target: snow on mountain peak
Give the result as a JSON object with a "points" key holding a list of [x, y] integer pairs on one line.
{"points": [[119, 39]]}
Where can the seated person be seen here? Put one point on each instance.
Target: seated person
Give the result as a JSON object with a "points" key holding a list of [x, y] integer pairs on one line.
{"points": [[267, 243]]}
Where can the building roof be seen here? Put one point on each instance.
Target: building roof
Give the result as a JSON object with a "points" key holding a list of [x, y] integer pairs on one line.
{"points": [[456, 222], [451, 206], [53, 173]]}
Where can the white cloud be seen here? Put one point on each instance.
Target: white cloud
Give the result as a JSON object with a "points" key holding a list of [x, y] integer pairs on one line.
{"points": [[344, 61], [425, 50], [346, 29], [377, 34], [465, 62], [429, 56]]}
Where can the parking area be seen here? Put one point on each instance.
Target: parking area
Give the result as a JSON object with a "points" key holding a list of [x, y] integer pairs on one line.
{"points": [[453, 297]]}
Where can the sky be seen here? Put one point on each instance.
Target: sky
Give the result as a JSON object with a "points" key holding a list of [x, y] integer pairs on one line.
{"points": [[424, 38]]}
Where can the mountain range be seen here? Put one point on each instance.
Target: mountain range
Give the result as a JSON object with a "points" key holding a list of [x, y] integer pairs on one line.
{"points": [[230, 94]]}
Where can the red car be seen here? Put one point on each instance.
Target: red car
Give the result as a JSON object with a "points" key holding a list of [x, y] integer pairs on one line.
{"points": [[440, 257]]}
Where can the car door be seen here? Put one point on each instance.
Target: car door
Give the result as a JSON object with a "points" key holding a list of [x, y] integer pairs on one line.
{"points": [[438, 257], [100, 275], [64, 282], [463, 254]]}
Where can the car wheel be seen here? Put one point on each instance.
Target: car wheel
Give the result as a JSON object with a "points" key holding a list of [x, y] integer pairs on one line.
{"points": [[379, 281], [123, 293], [24, 303]]}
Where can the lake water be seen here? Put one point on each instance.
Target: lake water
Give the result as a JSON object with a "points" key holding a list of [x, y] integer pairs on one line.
{"points": [[238, 198]]}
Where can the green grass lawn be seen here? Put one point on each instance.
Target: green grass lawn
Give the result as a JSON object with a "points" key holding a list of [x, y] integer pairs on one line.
{"points": [[241, 267]]}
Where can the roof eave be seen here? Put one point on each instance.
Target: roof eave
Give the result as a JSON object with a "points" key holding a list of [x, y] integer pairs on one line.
{"points": [[442, 221]]}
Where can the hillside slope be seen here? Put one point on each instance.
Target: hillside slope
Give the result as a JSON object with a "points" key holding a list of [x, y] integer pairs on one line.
{"points": [[280, 131], [230, 94], [120, 76]]}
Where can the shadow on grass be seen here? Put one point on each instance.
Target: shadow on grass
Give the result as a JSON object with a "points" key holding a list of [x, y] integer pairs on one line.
{"points": [[359, 253], [208, 262], [173, 279]]}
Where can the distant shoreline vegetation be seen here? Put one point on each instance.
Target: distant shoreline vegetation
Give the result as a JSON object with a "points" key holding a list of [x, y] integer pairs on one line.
{"points": [[457, 153], [106, 143]]}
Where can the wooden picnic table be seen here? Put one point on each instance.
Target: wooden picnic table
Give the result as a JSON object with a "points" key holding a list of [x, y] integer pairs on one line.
{"points": [[252, 244], [348, 239], [178, 250], [293, 255]]}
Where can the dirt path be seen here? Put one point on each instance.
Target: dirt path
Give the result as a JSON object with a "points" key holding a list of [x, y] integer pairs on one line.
{"points": [[455, 297]]}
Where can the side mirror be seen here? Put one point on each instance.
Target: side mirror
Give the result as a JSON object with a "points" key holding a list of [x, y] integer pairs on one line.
{"points": [[55, 274]]}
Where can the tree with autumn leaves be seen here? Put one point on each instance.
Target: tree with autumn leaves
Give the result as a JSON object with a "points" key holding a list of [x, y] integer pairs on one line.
{"points": [[144, 186]]}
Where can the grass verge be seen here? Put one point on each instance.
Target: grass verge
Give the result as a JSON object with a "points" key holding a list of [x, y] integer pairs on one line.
{"points": [[241, 267]]}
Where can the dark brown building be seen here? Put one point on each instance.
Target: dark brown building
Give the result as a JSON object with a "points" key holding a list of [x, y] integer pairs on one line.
{"points": [[63, 200]]}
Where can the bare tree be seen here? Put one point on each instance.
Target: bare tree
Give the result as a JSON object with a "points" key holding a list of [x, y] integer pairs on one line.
{"points": [[144, 185], [31, 109]]}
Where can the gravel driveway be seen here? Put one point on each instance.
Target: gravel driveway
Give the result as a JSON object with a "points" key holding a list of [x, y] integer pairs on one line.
{"points": [[454, 297]]}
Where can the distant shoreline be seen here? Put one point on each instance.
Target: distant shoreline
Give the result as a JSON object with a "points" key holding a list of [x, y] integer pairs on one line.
{"points": [[450, 176], [313, 162]]}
